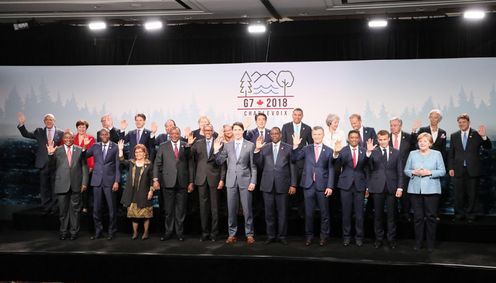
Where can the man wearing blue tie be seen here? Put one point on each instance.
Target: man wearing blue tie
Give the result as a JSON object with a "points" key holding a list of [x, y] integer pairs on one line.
{"points": [[317, 180]]}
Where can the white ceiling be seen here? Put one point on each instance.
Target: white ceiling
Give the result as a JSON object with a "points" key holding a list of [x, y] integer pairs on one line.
{"points": [[225, 10]]}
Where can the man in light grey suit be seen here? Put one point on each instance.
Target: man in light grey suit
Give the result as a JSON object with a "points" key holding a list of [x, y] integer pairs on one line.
{"points": [[71, 179], [240, 181]]}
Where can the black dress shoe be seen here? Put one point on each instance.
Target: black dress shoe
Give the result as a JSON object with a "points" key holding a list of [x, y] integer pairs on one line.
{"points": [[165, 238], [270, 241], [110, 237], [62, 237], [204, 239], [417, 246], [308, 242], [346, 242], [98, 236], [213, 238], [359, 243], [377, 244], [180, 238], [392, 244], [283, 241], [73, 237], [323, 242]]}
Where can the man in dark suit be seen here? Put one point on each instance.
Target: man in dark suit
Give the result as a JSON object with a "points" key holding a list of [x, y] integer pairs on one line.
{"points": [[465, 165], [108, 124], [140, 135], [352, 160], [404, 143], [317, 180], [366, 133], [169, 125], [105, 181], [253, 134], [385, 184], [173, 172], [209, 177], [198, 133], [71, 179], [278, 180], [43, 136], [305, 133]]}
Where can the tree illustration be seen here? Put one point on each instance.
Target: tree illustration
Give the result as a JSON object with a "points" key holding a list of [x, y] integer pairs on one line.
{"points": [[285, 79], [246, 84]]}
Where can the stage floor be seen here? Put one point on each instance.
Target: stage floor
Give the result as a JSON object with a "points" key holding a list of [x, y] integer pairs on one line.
{"points": [[40, 255]]}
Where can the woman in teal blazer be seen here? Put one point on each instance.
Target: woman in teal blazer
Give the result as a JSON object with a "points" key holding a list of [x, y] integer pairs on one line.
{"points": [[425, 167]]}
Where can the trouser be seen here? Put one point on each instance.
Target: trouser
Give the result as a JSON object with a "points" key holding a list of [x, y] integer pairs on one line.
{"points": [[424, 217], [276, 209], [99, 193], [391, 210], [209, 209], [175, 209], [69, 207], [312, 196], [234, 194], [352, 200]]}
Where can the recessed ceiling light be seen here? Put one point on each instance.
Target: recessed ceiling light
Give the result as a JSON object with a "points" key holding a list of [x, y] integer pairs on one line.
{"points": [[153, 25], [97, 25], [378, 23], [257, 28], [474, 14]]}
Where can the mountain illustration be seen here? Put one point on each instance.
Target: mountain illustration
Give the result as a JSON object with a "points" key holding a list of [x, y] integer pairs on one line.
{"points": [[265, 83]]}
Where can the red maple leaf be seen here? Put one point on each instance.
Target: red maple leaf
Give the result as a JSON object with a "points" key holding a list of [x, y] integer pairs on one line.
{"points": [[260, 102]]}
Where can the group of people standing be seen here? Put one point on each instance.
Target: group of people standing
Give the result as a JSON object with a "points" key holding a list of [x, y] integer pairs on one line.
{"points": [[293, 164]]}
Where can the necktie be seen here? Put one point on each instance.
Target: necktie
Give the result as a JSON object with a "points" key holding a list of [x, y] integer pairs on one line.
{"points": [[464, 141], [275, 153], [208, 148], [138, 136], [176, 151], [316, 153], [261, 134], [50, 136], [104, 151], [297, 129], [238, 150], [69, 156], [354, 158], [384, 156], [395, 143]]}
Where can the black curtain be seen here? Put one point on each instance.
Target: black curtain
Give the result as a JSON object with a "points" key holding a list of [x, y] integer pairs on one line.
{"points": [[61, 44]]}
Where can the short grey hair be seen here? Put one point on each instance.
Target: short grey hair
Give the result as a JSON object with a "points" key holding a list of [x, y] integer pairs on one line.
{"points": [[396, 119], [316, 128], [331, 117], [437, 111]]}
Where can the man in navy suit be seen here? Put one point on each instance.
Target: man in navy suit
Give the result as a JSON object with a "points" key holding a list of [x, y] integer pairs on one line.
{"points": [[140, 135], [317, 180], [366, 133], [385, 184], [253, 134], [465, 165], [105, 181], [352, 183], [305, 133], [169, 125], [107, 123], [404, 143], [278, 180], [43, 137]]}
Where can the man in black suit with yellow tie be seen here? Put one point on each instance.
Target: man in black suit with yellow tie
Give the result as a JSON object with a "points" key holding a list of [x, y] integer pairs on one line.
{"points": [[43, 137], [465, 165], [278, 180]]}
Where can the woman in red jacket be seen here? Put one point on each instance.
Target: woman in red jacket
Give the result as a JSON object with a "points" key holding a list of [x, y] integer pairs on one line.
{"points": [[82, 127]]}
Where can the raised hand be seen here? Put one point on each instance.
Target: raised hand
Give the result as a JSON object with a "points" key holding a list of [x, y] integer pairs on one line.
{"points": [[51, 147], [86, 141], [154, 127], [260, 143], [370, 145], [416, 124], [247, 122], [123, 125], [21, 118], [191, 139], [482, 130], [296, 140], [218, 143], [120, 145], [338, 146], [187, 131]]}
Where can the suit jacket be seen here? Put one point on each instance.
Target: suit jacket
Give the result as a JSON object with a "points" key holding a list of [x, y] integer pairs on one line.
{"points": [[253, 134], [145, 182], [305, 134], [427, 184], [40, 135], [69, 177], [368, 133], [388, 175], [145, 139], [242, 171], [198, 136], [439, 144], [80, 143], [470, 155], [106, 171], [161, 139], [322, 168], [350, 175], [204, 166], [171, 171], [280, 175], [115, 135], [407, 144]]}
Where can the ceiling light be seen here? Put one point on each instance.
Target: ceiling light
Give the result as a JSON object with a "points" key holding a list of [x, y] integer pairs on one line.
{"points": [[153, 25], [378, 23], [257, 28], [474, 14], [97, 25]]}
